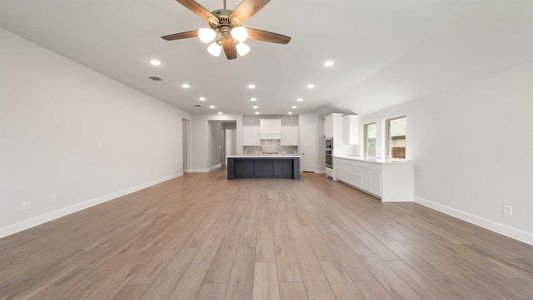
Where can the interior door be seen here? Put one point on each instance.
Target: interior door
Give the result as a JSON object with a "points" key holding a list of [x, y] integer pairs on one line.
{"points": [[308, 147]]}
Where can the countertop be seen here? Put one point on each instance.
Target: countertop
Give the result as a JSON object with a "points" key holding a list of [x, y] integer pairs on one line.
{"points": [[254, 155], [374, 160]]}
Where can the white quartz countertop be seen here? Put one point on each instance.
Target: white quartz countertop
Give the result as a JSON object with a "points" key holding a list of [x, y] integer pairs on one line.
{"points": [[254, 155], [374, 160]]}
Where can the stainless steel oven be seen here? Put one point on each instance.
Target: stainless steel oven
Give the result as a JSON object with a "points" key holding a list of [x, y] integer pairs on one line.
{"points": [[329, 153], [329, 159]]}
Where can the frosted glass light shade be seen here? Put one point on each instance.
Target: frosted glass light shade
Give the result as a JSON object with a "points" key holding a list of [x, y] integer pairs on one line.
{"points": [[242, 49], [206, 35], [239, 33], [214, 49]]}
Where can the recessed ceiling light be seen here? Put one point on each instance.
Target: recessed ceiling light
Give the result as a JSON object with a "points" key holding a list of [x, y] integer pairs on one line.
{"points": [[290, 112], [300, 99], [257, 112], [185, 85], [155, 62], [219, 112], [293, 107], [255, 107], [310, 86], [211, 106], [201, 98], [329, 63], [253, 99], [251, 86]]}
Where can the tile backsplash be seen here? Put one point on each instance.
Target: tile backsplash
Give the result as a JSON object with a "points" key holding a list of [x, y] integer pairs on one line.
{"points": [[270, 146]]}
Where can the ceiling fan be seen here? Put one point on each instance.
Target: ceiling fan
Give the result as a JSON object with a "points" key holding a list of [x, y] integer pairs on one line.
{"points": [[226, 29]]}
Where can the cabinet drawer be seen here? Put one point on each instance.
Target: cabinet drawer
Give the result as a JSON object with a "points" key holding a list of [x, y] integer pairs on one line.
{"points": [[361, 164], [353, 177]]}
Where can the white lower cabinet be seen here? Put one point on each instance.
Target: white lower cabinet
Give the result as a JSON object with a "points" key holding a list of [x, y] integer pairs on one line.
{"points": [[389, 181]]}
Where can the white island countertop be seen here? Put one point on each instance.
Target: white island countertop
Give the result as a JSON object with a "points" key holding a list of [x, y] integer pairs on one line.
{"points": [[259, 155], [375, 160]]}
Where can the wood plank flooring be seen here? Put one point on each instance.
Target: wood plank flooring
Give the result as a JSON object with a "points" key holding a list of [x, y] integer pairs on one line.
{"points": [[203, 237]]}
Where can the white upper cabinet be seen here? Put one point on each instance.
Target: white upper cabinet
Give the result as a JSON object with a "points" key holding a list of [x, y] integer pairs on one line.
{"points": [[270, 129], [251, 136], [351, 130], [328, 126], [289, 136]]}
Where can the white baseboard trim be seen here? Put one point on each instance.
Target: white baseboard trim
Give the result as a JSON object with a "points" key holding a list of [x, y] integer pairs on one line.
{"points": [[503, 229], [38, 220], [215, 167], [320, 171], [197, 170], [205, 170]]}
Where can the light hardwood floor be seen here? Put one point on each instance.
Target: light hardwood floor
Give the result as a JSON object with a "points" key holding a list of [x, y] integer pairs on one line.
{"points": [[200, 236]]}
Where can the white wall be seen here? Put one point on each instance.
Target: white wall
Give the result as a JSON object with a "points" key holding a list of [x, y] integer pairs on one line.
{"points": [[70, 131], [230, 147], [473, 150], [202, 142]]}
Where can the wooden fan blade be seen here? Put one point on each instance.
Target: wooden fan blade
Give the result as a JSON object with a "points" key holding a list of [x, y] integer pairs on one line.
{"points": [[267, 36], [229, 48], [246, 10], [199, 10], [181, 35]]}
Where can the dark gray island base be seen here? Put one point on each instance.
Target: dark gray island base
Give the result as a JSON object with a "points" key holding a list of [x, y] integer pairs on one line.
{"points": [[276, 167]]}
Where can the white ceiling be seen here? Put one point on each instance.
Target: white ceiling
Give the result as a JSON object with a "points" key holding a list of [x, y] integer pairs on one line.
{"points": [[386, 52]]}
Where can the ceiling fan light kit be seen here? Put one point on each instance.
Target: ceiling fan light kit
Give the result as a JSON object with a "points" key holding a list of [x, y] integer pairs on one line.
{"points": [[242, 49], [214, 49], [239, 33], [206, 35], [225, 28]]}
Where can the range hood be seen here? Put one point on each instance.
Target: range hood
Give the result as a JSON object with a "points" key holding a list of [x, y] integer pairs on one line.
{"points": [[270, 129], [270, 136]]}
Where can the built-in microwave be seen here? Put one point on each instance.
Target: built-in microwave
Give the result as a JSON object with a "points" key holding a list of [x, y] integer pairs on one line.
{"points": [[329, 143]]}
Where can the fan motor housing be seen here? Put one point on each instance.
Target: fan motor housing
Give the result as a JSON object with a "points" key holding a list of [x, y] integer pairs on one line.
{"points": [[224, 24], [222, 15]]}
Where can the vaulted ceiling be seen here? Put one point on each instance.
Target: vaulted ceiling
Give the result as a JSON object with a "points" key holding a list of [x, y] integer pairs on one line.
{"points": [[385, 52]]}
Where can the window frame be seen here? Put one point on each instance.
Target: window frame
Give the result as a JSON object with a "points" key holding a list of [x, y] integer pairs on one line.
{"points": [[388, 153], [365, 139]]}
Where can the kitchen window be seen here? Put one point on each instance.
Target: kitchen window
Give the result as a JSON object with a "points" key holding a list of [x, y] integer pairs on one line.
{"points": [[396, 132], [369, 143]]}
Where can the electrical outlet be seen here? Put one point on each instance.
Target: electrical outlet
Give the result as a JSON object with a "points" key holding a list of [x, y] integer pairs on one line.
{"points": [[53, 198], [26, 204], [508, 210]]}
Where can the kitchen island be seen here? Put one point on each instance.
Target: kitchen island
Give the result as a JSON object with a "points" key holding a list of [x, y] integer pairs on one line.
{"points": [[276, 166]]}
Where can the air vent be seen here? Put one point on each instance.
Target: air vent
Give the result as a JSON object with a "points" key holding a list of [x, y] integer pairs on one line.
{"points": [[155, 78], [197, 105]]}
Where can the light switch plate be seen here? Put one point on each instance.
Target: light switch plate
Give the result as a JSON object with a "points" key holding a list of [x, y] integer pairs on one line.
{"points": [[508, 210], [26, 204]]}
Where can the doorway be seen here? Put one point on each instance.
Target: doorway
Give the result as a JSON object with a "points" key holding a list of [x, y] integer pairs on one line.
{"points": [[230, 140], [222, 142]]}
